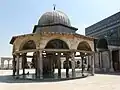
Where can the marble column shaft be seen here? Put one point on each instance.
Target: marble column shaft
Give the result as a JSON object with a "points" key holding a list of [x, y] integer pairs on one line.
{"points": [[93, 68], [17, 64], [14, 65], [73, 64], [59, 65]]}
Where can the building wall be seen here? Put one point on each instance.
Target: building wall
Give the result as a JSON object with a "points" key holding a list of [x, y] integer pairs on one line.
{"points": [[6, 63], [108, 28], [105, 23]]}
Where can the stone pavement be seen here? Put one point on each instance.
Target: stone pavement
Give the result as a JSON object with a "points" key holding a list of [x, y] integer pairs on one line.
{"points": [[97, 82]]}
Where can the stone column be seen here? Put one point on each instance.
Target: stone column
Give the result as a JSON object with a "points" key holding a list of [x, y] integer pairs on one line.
{"points": [[67, 68], [93, 69], [53, 64], [73, 64], [8, 63], [82, 65], [119, 60], [37, 65], [100, 53], [23, 62], [17, 64], [40, 65], [14, 65], [106, 63], [50, 67], [35, 57], [88, 60], [2, 63], [89, 64], [111, 62], [59, 65], [97, 61]]}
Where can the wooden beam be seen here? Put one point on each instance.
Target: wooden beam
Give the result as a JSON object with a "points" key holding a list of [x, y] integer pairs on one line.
{"points": [[26, 51], [67, 50], [54, 50]]}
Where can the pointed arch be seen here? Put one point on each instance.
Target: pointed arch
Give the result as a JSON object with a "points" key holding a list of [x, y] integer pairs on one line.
{"points": [[30, 44], [84, 46], [56, 44], [102, 44]]}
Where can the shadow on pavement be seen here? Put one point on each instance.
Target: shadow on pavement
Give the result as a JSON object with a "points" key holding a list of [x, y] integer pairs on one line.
{"points": [[11, 79], [108, 73]]}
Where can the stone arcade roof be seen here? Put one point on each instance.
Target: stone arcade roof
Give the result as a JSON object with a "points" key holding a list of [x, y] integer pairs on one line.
{"points": [[75, 34]]}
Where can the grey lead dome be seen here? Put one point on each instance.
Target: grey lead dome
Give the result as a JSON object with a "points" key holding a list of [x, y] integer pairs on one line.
{"points": [[54, 17]]}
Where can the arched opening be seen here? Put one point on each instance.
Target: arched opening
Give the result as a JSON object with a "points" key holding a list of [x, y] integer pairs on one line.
{"points": [[5, 64], [102, 44], [28, 45], [83, 62], [28, 63], [84, 46], [50, 59], [56, 44], [10, 64], [103, 55]]}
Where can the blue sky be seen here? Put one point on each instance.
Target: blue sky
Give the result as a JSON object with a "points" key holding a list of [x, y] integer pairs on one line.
{"points": [[19, 16]]}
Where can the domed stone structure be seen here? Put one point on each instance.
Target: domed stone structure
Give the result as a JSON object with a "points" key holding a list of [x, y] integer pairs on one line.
{"points": [[52, 42], [54, 21], [54, 17]]}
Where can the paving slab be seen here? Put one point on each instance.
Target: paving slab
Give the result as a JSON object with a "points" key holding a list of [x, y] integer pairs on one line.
{"points": [[97, 82]]}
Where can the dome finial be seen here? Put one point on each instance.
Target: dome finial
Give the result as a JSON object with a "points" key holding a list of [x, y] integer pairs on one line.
{"points": [[54, 5]]}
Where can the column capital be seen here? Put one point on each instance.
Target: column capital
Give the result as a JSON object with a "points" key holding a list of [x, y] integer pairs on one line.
{"points": [[110, 50], [23, 53], [17, 54], [39, 50], [72, 54]]}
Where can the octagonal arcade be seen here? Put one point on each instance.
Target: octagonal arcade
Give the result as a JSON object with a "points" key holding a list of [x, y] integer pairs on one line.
{"points": [[54, 44]]}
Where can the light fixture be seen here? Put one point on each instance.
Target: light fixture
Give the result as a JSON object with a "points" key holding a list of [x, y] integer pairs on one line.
{"points": [[56, 53]]}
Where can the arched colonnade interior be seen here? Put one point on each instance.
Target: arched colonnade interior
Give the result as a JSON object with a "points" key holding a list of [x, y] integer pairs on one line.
{"points": [[55, 56], [6, 63], [107, 57]]}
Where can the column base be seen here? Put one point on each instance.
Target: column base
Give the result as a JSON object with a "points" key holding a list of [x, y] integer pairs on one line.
{"points": [[111, 70], [73, 73], [41, 77], [92, 74], [73, 76], [104, 70], [17, 77], [59, 73], [97, 69]]}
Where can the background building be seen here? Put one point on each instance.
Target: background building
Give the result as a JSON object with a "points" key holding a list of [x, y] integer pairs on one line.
{"points": [[5, 63], [107, 32]]}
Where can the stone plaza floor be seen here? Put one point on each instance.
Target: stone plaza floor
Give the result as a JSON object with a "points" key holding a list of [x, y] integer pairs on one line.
{"points": [[97, 82]]}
